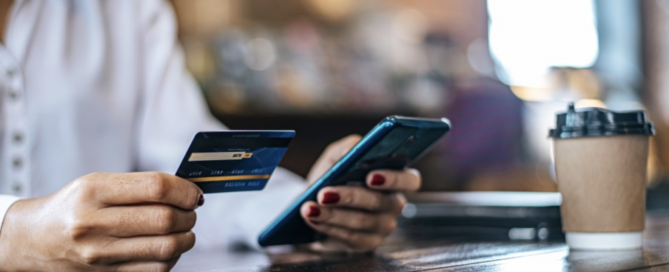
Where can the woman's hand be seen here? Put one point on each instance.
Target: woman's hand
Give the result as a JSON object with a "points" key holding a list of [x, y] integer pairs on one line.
{"points": [[357, 218], [103, 222]]}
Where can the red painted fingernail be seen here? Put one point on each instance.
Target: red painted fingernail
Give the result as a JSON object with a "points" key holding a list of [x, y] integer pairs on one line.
{"points": [[314, 211], [378, 180], [330, 198], [314, 222], [200, 201]]}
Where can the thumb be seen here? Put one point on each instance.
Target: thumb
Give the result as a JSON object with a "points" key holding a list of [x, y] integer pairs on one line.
{"points": [[333, 153]]}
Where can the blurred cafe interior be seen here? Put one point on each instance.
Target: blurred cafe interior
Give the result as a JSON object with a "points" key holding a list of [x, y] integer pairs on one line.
{"points": [[498, 69]]}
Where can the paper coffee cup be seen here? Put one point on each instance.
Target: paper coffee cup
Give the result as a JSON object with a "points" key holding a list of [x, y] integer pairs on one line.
{"points": [[600, 162]]}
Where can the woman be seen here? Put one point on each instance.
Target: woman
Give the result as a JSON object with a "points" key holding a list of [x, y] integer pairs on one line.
{"points": [[94, 93]]}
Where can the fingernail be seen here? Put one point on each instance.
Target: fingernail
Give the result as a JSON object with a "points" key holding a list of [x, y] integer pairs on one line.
{"points": [[378, 180], [330, 198], [314, 211], [200, 201], [314, 222]]}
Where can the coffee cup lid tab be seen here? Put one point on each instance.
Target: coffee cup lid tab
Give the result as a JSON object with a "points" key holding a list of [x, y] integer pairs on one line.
{"points": [[596, 122]]}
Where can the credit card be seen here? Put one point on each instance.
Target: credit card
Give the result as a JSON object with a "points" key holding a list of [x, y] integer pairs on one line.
{"points": [[234, 161]]}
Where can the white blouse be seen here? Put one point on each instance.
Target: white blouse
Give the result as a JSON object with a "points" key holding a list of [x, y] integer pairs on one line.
{"points": [[101, 86]]}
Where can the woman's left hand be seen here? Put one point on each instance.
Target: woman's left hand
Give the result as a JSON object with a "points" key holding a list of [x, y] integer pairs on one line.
{"points": [[357, 218]]}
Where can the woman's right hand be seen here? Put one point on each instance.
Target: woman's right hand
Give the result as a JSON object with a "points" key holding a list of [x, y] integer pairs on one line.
{"points": [[103, 222]]}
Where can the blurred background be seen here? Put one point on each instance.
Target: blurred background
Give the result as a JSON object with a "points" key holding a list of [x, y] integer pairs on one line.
{"points": [[498, 69]]}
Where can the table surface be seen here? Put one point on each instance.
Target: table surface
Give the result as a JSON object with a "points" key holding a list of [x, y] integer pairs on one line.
{"points": [[449, 254]]}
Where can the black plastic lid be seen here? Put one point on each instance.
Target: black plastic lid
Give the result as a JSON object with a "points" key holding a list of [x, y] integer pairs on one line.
{"points": [[591, 122]]}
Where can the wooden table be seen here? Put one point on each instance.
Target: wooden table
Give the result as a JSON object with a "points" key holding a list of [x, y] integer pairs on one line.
{"points": [[450, 254]]}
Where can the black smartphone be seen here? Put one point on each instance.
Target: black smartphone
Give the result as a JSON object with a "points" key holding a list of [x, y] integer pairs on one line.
{"points": [[394, 143]]}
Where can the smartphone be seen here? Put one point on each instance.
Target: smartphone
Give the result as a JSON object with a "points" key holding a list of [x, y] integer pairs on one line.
{"points": [[394, 143]]}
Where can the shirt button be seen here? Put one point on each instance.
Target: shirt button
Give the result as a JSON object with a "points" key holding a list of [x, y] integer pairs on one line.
{"points": [[17, 187], [17, 162], [13, 94], [18, 138], [10, 72]]}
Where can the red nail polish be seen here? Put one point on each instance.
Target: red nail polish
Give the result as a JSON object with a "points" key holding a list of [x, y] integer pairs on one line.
{"points": [[330, 198], [200, 201], [378, 180], [314, 211]]}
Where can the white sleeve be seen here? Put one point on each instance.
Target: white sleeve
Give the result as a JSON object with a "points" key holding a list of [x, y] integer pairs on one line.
{"points": [[6, 201], [173, 111], [173, 107]]}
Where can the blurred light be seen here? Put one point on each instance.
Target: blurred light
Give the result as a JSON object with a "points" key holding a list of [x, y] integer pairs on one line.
{"points": [[527, 37], [589, 103], [199, 60], [546, 261], [410, 26], [259, 54], [337, 10], [542, 234], [409, 210], [425, 95], [477, 55], [532, 93], [522, 233]]}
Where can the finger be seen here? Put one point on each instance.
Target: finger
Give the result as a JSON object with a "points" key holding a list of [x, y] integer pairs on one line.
{"points": [[147, 266], [358, 241], [331, 155], [408, 180], [311, 210], [129, 221], [141, 249], [359, 198], [147, 187], [379, 223]]}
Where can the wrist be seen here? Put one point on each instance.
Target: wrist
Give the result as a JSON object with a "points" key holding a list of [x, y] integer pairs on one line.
{"points": [[14, 242]]}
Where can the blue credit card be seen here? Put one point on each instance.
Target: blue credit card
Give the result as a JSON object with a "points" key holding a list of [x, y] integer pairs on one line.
{"points": [[234, 161]]}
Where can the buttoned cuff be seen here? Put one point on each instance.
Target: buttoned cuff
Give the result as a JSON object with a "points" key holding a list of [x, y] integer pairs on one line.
{"points": [[6, 201]]}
